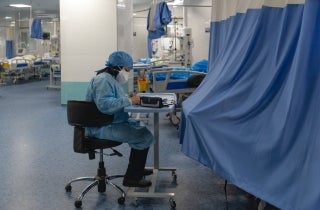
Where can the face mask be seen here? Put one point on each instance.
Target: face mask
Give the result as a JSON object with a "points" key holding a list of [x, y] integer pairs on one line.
{"points": [[122, 77]]}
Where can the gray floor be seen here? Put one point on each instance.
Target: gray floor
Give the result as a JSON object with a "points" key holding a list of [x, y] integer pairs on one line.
{"points": [[37, 160]]}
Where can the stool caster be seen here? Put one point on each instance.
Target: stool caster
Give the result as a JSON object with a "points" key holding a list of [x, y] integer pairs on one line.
{"points": [[173, 204], [78, 204], [121, 200]]}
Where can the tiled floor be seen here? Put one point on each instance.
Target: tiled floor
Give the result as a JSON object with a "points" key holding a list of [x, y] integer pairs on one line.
{"points": [[37, 160]]}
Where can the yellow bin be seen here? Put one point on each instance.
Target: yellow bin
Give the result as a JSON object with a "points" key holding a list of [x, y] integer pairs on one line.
{"points": [[142, 85], [6, 65]]}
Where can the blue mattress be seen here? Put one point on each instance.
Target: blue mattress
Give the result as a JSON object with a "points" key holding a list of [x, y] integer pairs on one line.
{"points": [[21, 65], [172, 85]]}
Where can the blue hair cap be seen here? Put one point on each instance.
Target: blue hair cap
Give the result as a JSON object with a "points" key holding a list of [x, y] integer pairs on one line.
{"points": [[120, 58]]}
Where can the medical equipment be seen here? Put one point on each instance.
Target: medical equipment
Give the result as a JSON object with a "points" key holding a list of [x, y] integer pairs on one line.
{"points": [[55, 75], [187, 43], [176, 46], [21, 51], [157, 101], [37, 67], [154, 102]]}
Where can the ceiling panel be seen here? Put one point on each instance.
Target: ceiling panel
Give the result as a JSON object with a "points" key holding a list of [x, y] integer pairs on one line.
{"points": [[48, 8]]}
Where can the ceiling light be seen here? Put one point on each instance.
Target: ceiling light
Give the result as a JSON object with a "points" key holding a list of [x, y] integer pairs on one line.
{"points": [[175, 2], [8, 18], [20, 5], [121, 5]]}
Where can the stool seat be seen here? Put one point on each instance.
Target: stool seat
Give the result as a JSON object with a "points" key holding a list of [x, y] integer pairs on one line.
{"points": [[93, 143]]}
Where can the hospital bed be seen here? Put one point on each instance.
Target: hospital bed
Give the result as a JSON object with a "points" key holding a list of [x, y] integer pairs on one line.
{"points": [[19, 69], [173, 80], [24, 68]]}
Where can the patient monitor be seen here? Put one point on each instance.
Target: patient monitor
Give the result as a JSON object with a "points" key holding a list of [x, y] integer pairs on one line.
{"points": [[21, 51]]}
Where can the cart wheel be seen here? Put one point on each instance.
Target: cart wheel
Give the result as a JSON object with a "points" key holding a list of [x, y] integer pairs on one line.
{"points": [[174, 178], [78, 204], [175, 120], [135, 203], [121, 200], [68, 188], [172, 203]]}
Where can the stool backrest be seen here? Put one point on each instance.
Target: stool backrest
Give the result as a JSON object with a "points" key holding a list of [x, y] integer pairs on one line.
{"points": [[86, 114]]}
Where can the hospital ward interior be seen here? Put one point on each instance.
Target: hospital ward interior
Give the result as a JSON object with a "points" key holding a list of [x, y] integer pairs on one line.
{"points": [[229, 92]]}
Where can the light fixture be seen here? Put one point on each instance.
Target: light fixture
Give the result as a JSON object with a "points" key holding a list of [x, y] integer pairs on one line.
{"points": [[19, 5], [121, 4], [175, 2], [8, 18]]}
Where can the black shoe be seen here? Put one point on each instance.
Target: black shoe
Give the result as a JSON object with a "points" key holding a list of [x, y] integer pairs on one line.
{"points": [[134, 183], [147, 172]]}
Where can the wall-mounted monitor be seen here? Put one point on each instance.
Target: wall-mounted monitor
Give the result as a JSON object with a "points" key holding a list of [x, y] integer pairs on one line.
{"points": [[46, 36], [21, 51]]}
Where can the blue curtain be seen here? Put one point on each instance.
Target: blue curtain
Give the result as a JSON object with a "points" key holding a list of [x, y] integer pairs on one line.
{"points": [[36, 29], [255, 117], [9, 49]]}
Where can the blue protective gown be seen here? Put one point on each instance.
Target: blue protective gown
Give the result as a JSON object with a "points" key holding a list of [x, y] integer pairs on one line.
{"points": [[160, 18], [36, 29], [110, 98]]}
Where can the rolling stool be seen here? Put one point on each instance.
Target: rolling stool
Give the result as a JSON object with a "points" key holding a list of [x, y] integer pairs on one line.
{"points": [[83, 114]]}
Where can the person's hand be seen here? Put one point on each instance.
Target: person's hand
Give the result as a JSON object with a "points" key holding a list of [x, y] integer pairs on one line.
{"points": [[135, 99]]}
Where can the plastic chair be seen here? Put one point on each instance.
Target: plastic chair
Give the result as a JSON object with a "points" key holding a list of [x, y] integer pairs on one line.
{"points": [[83, 114]]}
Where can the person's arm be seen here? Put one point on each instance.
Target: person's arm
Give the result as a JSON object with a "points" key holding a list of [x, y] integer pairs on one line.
{"points": [[109, 96], [135, 99]]}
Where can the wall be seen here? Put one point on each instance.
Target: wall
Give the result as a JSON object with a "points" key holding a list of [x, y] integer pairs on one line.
{"points": [[139, 37], [125, 31], [198, 20], [88, 36], [125, 25], [2, 42]]}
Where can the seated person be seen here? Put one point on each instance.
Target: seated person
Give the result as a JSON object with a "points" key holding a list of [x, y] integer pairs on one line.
{"points": [[106, 91]]}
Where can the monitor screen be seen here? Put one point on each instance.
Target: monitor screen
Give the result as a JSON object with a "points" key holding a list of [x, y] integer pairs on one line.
{"points": [[21, 51], [46, 36]]}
